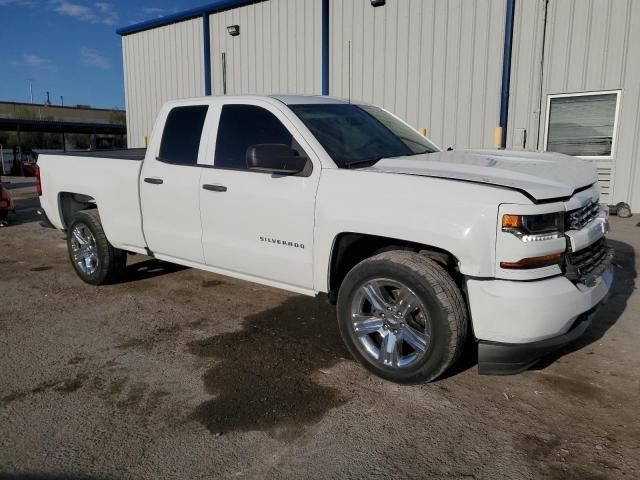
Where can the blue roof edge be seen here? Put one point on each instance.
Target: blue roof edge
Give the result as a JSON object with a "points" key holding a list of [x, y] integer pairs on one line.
{"points": [[213, 7]]}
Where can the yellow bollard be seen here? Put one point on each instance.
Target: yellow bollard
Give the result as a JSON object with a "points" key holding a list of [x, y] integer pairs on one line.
{"points": [[497, 137], [146, 141], [422, 131]]}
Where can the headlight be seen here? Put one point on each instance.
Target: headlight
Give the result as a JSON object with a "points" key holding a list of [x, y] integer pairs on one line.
{"points": [[534, 228]]}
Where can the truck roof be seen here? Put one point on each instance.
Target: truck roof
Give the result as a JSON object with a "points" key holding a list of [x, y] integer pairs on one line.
{"points": [[286, 99], [307, 99]]}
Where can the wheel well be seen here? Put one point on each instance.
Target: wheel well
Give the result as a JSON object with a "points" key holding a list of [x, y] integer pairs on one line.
{"points": [[70, 203], [349, 249]]}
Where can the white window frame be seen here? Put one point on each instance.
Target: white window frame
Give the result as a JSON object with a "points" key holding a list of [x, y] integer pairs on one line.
{"points": [[614, 139]]}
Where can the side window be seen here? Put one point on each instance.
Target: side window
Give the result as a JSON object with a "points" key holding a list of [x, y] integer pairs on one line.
{"points": [[242, 126], [181, 136]]}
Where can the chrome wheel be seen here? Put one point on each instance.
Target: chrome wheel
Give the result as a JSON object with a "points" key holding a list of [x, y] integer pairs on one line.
{"points": [[390, 323], [83, 248]]}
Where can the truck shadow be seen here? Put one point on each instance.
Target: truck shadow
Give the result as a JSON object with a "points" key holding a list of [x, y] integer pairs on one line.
{"points": [[622, 288], [468, 359], [150, 268], [265, 376]]}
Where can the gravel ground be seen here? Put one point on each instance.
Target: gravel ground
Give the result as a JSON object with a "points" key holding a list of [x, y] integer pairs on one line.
{"points": [[183, 374]]}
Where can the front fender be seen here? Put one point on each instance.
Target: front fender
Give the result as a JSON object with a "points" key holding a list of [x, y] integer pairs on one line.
{"points": [[455, 216]]}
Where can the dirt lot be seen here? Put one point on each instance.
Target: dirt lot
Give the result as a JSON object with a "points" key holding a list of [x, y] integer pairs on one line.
{"points": [[183, 374]]}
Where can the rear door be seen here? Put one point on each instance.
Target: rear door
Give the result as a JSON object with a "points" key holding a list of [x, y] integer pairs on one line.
{"points": [[257, 224], [170, 184]]}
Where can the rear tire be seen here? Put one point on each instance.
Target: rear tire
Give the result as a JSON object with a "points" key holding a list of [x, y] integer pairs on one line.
{"points": [[404, 299], [93, 258]]}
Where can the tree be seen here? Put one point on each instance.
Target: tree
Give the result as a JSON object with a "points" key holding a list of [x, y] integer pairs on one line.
{"points": [[30, 140], [118, 117]]}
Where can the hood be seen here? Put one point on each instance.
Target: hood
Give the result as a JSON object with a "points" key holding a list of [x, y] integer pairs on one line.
{"points": [[542, 176]]}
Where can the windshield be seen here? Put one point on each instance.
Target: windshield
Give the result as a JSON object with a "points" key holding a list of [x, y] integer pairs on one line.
{"points": [[360, 134]]}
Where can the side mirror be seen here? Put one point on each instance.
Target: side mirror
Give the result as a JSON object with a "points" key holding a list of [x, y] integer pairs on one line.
{"points": [[275, 158]]}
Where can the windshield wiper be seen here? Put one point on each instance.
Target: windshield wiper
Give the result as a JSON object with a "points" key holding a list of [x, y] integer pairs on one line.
{"points": [[372, 161], [426, 152]]}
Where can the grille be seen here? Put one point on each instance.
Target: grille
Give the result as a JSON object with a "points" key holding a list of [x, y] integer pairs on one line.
{"points": [[585, 265], [577, 219]]}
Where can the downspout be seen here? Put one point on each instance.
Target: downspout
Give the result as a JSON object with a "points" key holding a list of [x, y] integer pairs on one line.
{"points": [[506, 70], [325, 47], [206, 37], [541, 89]]}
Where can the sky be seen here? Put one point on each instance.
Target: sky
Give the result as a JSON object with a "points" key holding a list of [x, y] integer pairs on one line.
{"points": [[70, 48]]}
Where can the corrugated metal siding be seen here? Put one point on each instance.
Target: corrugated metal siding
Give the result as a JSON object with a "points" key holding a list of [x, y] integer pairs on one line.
{"points": [[279, 49], [526, 58], [588, 47], [159, 65], [435, 64]]}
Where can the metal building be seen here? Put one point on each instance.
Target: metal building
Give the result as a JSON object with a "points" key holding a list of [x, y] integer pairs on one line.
{"points": [[555, 75]]}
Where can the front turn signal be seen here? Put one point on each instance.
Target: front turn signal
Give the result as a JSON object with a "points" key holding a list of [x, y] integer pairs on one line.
{"points": [[511, 221]]}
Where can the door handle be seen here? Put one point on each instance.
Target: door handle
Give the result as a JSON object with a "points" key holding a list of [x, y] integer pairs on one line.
{"points": [[154, 180], [214, 188]]}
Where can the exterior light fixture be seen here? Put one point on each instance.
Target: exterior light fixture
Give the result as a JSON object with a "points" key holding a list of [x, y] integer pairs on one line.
{"points": [[234, 30], [378, 3]]}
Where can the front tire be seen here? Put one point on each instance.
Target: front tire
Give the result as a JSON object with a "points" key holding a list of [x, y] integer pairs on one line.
{"points": [[402, 316], [93, 258]]}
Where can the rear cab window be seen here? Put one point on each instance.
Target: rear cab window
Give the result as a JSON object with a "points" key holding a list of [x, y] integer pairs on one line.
{"points": [[181, 136]]}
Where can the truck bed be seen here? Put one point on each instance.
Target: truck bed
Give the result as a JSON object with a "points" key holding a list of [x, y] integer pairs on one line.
{"points": [[108, 177], [126, 154]]}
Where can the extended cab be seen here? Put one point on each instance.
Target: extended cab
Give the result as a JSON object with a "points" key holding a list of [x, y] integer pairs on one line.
{"points": [[420, 248]]}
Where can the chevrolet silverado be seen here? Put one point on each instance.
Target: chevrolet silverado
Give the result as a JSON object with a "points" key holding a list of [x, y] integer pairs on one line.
{"points": [[419, 248]]}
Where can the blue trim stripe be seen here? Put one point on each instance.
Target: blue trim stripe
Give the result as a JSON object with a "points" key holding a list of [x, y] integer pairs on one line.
{"points": [[208, 9], [506, 70], [325, 47], [206, 38]]}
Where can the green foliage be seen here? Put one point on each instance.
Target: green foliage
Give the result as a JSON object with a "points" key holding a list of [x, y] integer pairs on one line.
{"points": [[24, 114], [38, 140], [117, 117], [31, 140]]}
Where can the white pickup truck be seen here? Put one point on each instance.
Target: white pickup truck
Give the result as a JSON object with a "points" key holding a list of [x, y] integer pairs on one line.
{"points": [[420, 248]]}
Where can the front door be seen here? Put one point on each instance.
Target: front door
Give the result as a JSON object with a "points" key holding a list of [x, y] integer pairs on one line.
{"points": [[257, 224]]}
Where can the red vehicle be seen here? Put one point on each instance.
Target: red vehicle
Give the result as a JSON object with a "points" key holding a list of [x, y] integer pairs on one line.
{"points": [[29, 168], [6, 204]]}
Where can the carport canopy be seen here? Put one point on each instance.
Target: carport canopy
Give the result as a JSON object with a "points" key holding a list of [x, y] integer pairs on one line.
{"points": [[47, 126]]}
